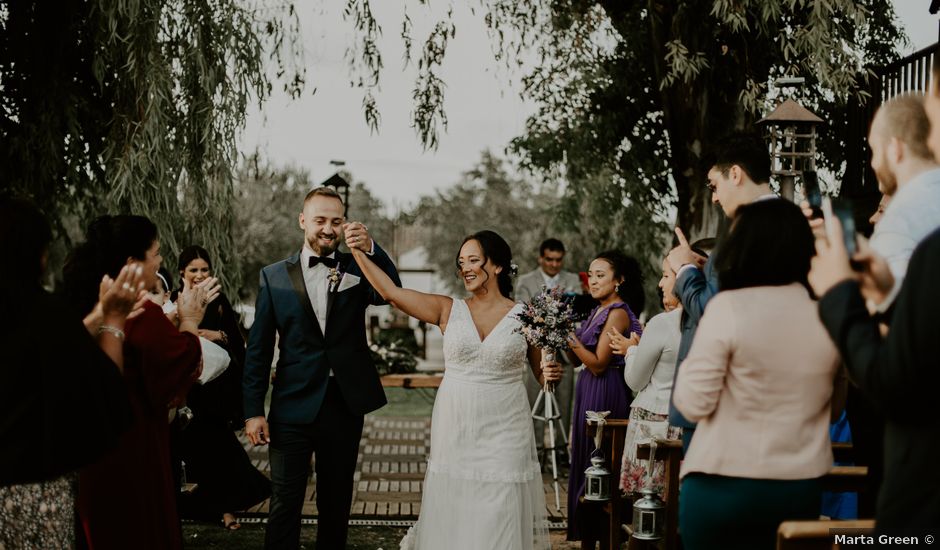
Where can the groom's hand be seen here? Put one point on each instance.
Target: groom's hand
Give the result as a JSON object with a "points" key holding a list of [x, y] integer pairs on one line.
{"points": [[257, 430], [357, 236]]}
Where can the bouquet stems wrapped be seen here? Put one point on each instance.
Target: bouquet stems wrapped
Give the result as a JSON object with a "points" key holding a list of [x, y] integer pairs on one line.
{"points": [[546, 321]]}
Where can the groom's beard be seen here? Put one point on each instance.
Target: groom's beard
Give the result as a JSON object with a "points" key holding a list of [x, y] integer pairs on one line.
{"points": [[323, 250]]}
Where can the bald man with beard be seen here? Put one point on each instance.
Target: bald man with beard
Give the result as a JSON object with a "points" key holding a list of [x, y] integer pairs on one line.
{"points": [[908, 173]]}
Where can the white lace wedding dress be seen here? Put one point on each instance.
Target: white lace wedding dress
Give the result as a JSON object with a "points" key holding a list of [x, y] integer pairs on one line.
{"points": [[483, 487]]}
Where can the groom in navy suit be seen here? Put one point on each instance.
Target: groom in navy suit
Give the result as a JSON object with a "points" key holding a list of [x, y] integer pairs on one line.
{"points": [[325, 382]]}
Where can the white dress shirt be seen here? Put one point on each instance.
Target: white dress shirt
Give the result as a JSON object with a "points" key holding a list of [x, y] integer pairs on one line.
{"points": [[317, 282], [550, 281]]}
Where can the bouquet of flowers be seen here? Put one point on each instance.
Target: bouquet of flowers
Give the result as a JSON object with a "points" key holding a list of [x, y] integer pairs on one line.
{"points": [[547, 320]]}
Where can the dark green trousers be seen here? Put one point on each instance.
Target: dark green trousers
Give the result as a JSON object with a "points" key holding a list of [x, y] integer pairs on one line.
{"points": [[731, 513]]}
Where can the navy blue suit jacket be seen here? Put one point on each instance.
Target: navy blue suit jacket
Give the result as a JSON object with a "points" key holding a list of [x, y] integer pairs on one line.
{"points": [[306, 356], [694, 288]]}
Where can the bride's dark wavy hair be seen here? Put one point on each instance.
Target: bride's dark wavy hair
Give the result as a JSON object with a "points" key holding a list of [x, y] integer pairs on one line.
{"points": [[496, 250]]}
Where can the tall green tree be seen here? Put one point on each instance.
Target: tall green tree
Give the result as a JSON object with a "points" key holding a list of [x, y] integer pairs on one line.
{"points": [[135, 106], [641, 89]]}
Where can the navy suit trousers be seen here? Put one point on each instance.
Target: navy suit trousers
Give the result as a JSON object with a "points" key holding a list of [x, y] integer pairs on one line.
{"points": [[334, 438]]}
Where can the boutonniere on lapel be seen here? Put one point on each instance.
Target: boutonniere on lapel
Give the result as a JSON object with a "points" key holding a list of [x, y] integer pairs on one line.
{"points": [[334, 277]]}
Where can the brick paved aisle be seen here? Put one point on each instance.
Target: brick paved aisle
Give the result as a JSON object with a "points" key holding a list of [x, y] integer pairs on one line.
{"points": [[390, 472]]}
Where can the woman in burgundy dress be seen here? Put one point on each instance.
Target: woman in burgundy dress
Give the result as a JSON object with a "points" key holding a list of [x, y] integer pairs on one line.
{"points": [[616, 283], [127, 498]]}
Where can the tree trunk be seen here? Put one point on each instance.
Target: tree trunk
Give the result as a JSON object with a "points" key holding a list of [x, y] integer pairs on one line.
{"points": [[695, 113]]}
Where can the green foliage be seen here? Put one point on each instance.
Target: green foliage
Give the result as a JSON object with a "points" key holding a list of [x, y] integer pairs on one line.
{"points": [[268, 202], [636, 91], [595, 217], [266, 222], [135, 107], [488, 197], [640, 89], [395, 353]]}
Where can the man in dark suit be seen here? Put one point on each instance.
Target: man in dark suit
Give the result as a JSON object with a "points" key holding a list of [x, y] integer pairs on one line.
{"points": [[325, 382], [739, 174], [898, 373]]}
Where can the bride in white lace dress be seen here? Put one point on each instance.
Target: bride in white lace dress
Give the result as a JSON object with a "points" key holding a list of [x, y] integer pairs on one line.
{"points": [[483, 487]]}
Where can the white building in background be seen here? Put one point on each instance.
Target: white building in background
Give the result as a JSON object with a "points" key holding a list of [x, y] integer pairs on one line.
{"points": [[416, 273]]}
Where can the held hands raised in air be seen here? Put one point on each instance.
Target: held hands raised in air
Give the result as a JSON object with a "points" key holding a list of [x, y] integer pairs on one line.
{"points": [[357, 237]]}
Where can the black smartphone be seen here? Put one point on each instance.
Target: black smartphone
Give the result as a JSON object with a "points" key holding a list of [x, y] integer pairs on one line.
{"points": [[812, 193], [841, 209]]}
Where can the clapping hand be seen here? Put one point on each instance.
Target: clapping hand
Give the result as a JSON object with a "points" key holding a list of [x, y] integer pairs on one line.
{"points": [[120, 297], [194, 299], [683, 254], [620, 343], [357, 237]]}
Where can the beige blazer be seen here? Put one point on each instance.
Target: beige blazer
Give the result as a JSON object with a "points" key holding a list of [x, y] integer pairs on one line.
{"points": [[530, 284], [758, 380]]}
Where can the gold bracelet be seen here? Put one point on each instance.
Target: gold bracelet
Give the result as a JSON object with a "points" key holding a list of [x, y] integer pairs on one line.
{"points": [[116, 332]]}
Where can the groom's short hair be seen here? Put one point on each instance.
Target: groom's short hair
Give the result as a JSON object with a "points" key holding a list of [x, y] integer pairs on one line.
{"points": [[323, 192]]}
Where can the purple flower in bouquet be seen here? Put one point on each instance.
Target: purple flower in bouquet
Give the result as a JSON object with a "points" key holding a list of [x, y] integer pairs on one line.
{"points": [[547, 320]]}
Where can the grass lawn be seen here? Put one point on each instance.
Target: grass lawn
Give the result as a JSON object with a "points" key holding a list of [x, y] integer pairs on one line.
{"points": [[407, 402]]}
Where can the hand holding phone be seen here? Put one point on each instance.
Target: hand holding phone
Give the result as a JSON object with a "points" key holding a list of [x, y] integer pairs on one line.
{"points": [[840, 210], [812, 193]]}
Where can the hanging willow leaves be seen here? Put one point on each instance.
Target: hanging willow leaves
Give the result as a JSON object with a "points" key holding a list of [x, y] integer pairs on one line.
{"points": [[135, 107]]}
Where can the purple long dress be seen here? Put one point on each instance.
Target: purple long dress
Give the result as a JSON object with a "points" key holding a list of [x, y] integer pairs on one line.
{"points": [[607, 392]]}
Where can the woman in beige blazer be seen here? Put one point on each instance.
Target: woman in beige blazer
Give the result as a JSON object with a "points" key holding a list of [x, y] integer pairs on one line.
{"points": [[758, 380]]}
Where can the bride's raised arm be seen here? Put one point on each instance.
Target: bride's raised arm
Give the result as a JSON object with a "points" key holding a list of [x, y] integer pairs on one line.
{"points": [[430, 308]]}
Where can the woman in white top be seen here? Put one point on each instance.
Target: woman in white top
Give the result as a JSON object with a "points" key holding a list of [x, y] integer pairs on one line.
{"points": [[648, 371]]}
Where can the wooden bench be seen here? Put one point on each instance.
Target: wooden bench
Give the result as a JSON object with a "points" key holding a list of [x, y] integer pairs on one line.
{"points": [[817, 535], [841, 479], [412, 380]]}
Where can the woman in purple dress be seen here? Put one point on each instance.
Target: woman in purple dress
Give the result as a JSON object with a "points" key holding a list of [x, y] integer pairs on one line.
{"points": [[616, 283]]}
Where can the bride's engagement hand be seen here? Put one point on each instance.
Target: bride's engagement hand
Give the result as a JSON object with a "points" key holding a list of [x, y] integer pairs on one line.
{"points": [[552, 371], [357, 237]]}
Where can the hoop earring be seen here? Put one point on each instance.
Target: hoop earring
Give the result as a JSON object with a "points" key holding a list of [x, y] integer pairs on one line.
{"points": [[617, 288]]}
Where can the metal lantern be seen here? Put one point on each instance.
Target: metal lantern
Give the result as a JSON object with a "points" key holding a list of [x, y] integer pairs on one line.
{"points": [[791, 131], [649, 516], [597, 481]]}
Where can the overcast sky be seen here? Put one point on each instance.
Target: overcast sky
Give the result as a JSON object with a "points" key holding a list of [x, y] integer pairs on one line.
{"points": [[481, 100]]}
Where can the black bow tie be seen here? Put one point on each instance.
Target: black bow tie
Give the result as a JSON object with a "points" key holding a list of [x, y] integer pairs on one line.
{"points": [[328, 262]]}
